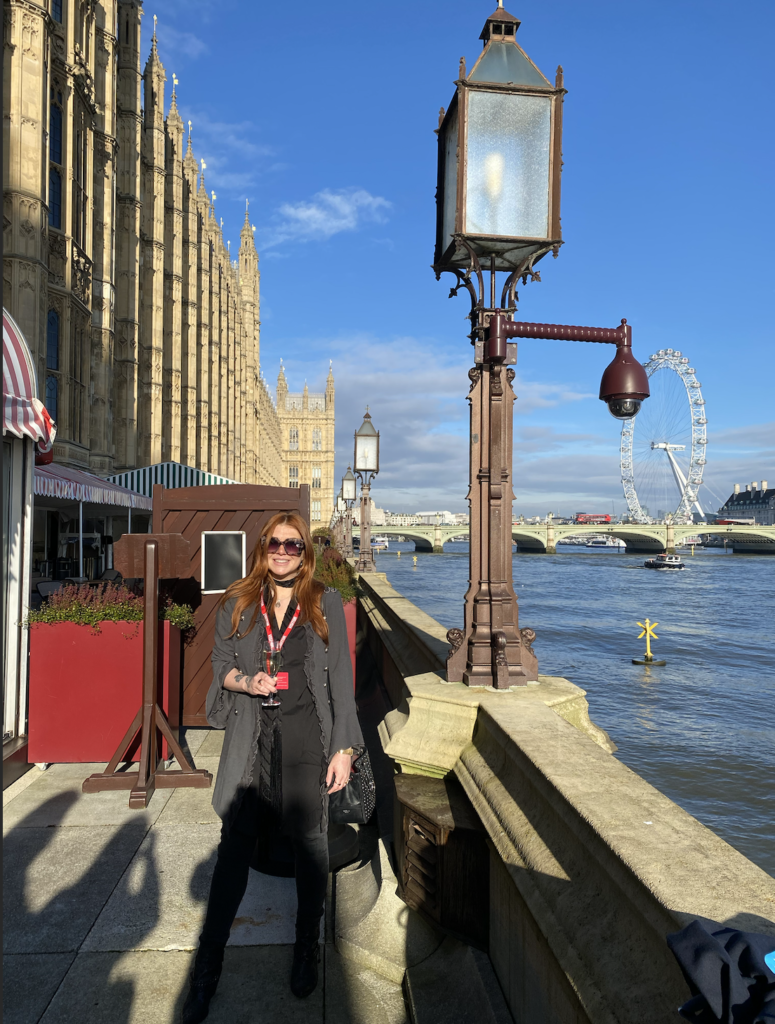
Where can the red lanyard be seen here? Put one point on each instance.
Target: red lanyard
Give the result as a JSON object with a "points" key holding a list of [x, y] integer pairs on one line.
{"points": [[284, 637]]}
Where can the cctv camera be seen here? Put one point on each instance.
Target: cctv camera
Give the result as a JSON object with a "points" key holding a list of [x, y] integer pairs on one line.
{"points": [[624, 408]]}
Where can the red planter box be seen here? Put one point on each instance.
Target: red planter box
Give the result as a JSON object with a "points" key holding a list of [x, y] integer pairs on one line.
{"points": [[351, 619], [85, 688]]}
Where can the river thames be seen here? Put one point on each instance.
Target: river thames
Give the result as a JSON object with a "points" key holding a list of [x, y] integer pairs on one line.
{"points": [[700, 728]]}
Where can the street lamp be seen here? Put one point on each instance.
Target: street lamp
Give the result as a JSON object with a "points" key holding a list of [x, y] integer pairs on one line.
{"points": [[498, 209], [366, 468], [349, 495]]}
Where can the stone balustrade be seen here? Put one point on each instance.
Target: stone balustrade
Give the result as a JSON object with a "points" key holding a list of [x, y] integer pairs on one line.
{"points": [[590, 866]]}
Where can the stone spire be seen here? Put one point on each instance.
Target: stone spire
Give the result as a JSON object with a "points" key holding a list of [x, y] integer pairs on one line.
{"points": [[189, 161], [282, 387], [330, 387]]}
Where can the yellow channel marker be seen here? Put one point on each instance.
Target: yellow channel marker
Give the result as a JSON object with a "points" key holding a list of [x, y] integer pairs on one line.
{"points": [[648, 631]]}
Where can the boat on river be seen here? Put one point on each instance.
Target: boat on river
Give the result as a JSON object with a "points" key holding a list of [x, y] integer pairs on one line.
{"points": [[606, 542], [379, 543], [669, 562]]}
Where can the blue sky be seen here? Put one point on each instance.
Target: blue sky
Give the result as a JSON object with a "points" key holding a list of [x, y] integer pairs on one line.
{"points": [[322, 115]]}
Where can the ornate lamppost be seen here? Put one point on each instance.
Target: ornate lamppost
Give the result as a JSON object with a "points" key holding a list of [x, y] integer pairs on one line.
{"points": [[366, 468], [498, 210], [349, 496]]}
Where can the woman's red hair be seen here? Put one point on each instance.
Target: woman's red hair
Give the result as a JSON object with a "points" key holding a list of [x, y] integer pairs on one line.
{"points": [[307, 590]]}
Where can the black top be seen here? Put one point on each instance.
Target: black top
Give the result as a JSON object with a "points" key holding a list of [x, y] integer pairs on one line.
{"points": [[303, 761]]}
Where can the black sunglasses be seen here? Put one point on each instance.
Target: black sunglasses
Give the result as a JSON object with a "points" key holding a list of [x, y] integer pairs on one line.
{"points": [[291, 547]]}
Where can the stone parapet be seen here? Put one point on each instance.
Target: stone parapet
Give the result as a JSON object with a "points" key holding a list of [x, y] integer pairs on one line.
{"points": [[591, 867]]}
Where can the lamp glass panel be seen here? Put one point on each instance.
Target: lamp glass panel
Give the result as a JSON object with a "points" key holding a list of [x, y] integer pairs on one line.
{"points": [[450, 180], [507, 181], [366, 454], [348, 489]]}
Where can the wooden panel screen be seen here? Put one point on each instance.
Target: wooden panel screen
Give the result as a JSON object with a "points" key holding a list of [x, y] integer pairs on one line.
{"points": [[193, 511]]}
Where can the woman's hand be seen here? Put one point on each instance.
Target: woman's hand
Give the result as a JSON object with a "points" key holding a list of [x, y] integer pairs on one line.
{"points": [[260, 685], [338, 774]]}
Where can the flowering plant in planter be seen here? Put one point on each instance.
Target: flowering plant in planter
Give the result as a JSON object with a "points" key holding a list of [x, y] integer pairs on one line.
{"points": [[335, 571], [109, 602], [86, 684]]}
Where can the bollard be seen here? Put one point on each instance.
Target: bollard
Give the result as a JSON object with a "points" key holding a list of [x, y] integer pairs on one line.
{"points": [[398, 553], [414, 559], [648, 632]]}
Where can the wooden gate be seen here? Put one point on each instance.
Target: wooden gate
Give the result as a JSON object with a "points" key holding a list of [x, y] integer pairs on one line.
{"points": [[193, 511]]}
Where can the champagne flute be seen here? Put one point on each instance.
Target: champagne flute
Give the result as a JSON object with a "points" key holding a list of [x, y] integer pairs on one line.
{"points": [[272, 661]]}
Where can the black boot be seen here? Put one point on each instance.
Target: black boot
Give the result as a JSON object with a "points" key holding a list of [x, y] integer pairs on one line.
{"points": [[306, 953], [204, 981]]}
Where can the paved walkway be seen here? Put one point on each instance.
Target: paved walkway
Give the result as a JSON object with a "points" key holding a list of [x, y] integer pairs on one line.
{"points": [[103, 906]]}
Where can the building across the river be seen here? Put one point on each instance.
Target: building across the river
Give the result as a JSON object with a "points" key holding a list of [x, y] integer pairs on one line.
{"points": [[143, 330], [754, 503]]}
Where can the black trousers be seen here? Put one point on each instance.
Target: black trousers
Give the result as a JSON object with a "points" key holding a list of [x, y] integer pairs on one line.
{"points": [[230, 880]]}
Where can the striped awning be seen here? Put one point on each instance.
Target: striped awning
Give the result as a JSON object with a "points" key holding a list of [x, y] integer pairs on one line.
{"points": [[75, 485], [168, 474], [24, 415]]}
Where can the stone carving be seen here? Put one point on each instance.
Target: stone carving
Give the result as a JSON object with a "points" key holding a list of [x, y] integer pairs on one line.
{"points": [[474, 375], [57, 258], [510, 375], [496, 384], [30, 34], [81, 276]]}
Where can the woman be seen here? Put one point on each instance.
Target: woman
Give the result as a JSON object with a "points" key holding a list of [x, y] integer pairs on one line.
{"points": [[278, 764]]}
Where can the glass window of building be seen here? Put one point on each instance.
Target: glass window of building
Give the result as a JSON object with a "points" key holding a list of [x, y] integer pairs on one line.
{"points": [[317, 439], [315, 512], [56, 10], [293, 476], [52, 340], [316, 477], [293, 439], [52, 397], [77, 387], [54, 198]]}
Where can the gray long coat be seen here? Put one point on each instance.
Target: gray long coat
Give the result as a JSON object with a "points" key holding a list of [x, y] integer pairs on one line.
{"points": [[329, 676]]}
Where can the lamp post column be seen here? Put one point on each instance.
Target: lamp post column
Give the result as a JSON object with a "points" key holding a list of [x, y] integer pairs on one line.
{"points": [[348, 534], [366, 559]]}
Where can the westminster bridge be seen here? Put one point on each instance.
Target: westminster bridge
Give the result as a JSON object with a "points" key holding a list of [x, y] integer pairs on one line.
{"points": [[543, 538]]}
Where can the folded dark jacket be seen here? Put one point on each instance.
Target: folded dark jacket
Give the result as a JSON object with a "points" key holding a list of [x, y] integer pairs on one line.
{"points": [[726, 972]]}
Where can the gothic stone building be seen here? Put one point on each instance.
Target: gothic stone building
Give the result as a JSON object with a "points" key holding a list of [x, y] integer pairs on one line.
{"points": [[144, 331]]}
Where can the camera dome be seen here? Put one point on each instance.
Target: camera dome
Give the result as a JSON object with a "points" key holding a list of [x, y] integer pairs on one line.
{"points": [[624, 408]]}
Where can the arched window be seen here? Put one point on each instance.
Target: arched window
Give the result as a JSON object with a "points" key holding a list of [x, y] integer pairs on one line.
{"points": [[293, 439], [293, 476], [316, 477], [317, 439], [52, 341], [54, 198], [52, 396], [55, 133]]}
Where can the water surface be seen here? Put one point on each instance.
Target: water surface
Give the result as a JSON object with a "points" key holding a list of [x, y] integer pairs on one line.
{"points": [[700, 728]]}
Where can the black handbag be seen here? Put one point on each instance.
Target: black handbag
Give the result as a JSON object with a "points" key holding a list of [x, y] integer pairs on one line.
{"points": [[354, 805]]}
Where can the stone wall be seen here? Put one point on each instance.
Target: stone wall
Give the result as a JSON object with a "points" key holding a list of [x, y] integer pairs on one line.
{"points": [[591, 867]]}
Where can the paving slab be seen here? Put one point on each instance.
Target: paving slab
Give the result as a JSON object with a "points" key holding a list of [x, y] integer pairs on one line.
{"points": [[29, 983], [193, 738], [160, 901], [357, 995], [55, 798], [144, 987], [192, 806], [213, 744], [57, 880]]}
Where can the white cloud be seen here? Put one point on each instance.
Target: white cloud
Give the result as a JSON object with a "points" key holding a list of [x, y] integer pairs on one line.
{"points": [[328, 213], [173, 43]]}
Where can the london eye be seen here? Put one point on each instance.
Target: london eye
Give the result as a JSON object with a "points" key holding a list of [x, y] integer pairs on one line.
{"points": [[663, 448]]}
